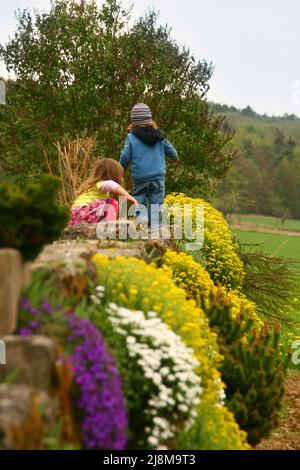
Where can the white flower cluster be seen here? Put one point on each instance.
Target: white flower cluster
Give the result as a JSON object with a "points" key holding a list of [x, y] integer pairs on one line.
{"points": [[98, 295], [222, 395], [167, 364]]}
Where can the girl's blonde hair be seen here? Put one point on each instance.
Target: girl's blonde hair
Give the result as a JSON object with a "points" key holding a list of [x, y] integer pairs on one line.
{"points": [[134, 126], [103, 169]]}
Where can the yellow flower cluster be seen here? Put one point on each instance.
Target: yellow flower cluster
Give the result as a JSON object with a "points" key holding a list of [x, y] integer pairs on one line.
{"points": [[219, 429], [192, 277], [222, 261], [214, 429], [239, 302], [189, 274], [131, 283]]}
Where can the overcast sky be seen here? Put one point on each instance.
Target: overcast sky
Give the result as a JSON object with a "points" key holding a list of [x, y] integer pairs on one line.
{"points": [[253, 44]]}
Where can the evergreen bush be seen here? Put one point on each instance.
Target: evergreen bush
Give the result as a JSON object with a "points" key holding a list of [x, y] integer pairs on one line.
{"points": [[253, 368], [30, 216]]}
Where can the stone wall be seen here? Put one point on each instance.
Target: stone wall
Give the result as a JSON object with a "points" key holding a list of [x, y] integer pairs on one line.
{"points": [[28, 377], [14, 274], [28, 400]]}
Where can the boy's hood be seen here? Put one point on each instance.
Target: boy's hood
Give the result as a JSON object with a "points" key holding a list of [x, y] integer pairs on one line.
{"points": [[148, 135]]}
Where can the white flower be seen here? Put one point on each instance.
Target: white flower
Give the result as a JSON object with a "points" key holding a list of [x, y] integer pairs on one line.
{"points": [[183, 408], [153, 441], [222, 396], [95, 299], [130, 340], [164, 371], [168, 368], [196, 401], [151, 314], [100, 288], [156, 379]]}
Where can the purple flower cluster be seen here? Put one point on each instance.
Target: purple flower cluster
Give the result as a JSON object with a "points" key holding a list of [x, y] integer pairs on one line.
{"points": [[32, 318], [99, 382], [96, 376]]}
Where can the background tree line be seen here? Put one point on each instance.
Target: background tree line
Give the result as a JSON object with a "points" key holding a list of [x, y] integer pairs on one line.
{"points": [[80, 68], [265, 179]]}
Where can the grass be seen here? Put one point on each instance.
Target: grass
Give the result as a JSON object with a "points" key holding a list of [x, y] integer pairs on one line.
{"points": [[266, 221], [282, 246], [276, 245]]}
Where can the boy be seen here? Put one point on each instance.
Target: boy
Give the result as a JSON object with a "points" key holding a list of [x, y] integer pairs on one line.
{"points": [[145, 148]]}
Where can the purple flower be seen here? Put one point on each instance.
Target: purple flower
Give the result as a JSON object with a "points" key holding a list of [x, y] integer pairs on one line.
{"points": [[46, 307], [101, 400], [24, 331], [34, 311], [25, 303], [98, 382]]}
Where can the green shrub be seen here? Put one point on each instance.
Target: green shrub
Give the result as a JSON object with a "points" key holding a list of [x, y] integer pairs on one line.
{"points": [[272, 282], [30, 217], [253, 369]]}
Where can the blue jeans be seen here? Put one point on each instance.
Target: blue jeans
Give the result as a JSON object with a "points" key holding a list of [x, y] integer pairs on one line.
{"points": [[146, 194]]}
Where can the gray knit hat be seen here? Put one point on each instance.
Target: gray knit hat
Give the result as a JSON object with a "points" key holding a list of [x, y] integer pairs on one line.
{"points": [[141, 114]]}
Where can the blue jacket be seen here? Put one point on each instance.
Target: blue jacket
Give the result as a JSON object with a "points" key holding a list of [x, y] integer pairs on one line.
{"points": [[145, 149]]}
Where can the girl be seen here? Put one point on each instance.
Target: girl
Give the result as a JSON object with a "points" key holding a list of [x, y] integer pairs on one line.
{"points": [[95, 197], [145, 148]]}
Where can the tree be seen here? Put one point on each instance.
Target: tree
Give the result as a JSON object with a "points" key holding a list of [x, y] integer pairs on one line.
{"points": [[248, 111], [288, 185], [79, 70], [233, 195]]}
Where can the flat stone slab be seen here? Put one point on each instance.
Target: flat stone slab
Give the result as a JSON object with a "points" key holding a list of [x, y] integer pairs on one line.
{"points": [[33, 360], [73, 253], [120, 230], [96, 231]]}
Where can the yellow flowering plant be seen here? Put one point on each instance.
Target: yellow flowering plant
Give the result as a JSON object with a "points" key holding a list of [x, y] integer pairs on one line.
{"points": [[220, 252], [191, 276], [214, 429], [133, 284], [138, 286]]}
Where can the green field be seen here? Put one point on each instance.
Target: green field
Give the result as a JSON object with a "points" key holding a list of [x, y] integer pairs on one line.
{"points": [[276, 245], [266, 221], [285, 246]]}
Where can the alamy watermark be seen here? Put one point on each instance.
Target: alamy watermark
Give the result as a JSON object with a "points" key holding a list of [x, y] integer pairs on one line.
{"points": [[296, 352], [157, 221], [2, 92], [2, 352]]}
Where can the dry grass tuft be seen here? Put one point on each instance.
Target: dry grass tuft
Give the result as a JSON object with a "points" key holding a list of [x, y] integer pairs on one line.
{"points": [[75, 160]]}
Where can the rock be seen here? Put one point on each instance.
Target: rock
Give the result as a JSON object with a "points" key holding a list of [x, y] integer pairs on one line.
{"points": [[81, 231], [117, 231], [25, 415], [68, 255], [13, 276], [33, 360]]}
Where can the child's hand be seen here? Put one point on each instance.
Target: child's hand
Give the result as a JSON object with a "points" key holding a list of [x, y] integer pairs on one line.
{"points": [[133, 201]]}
